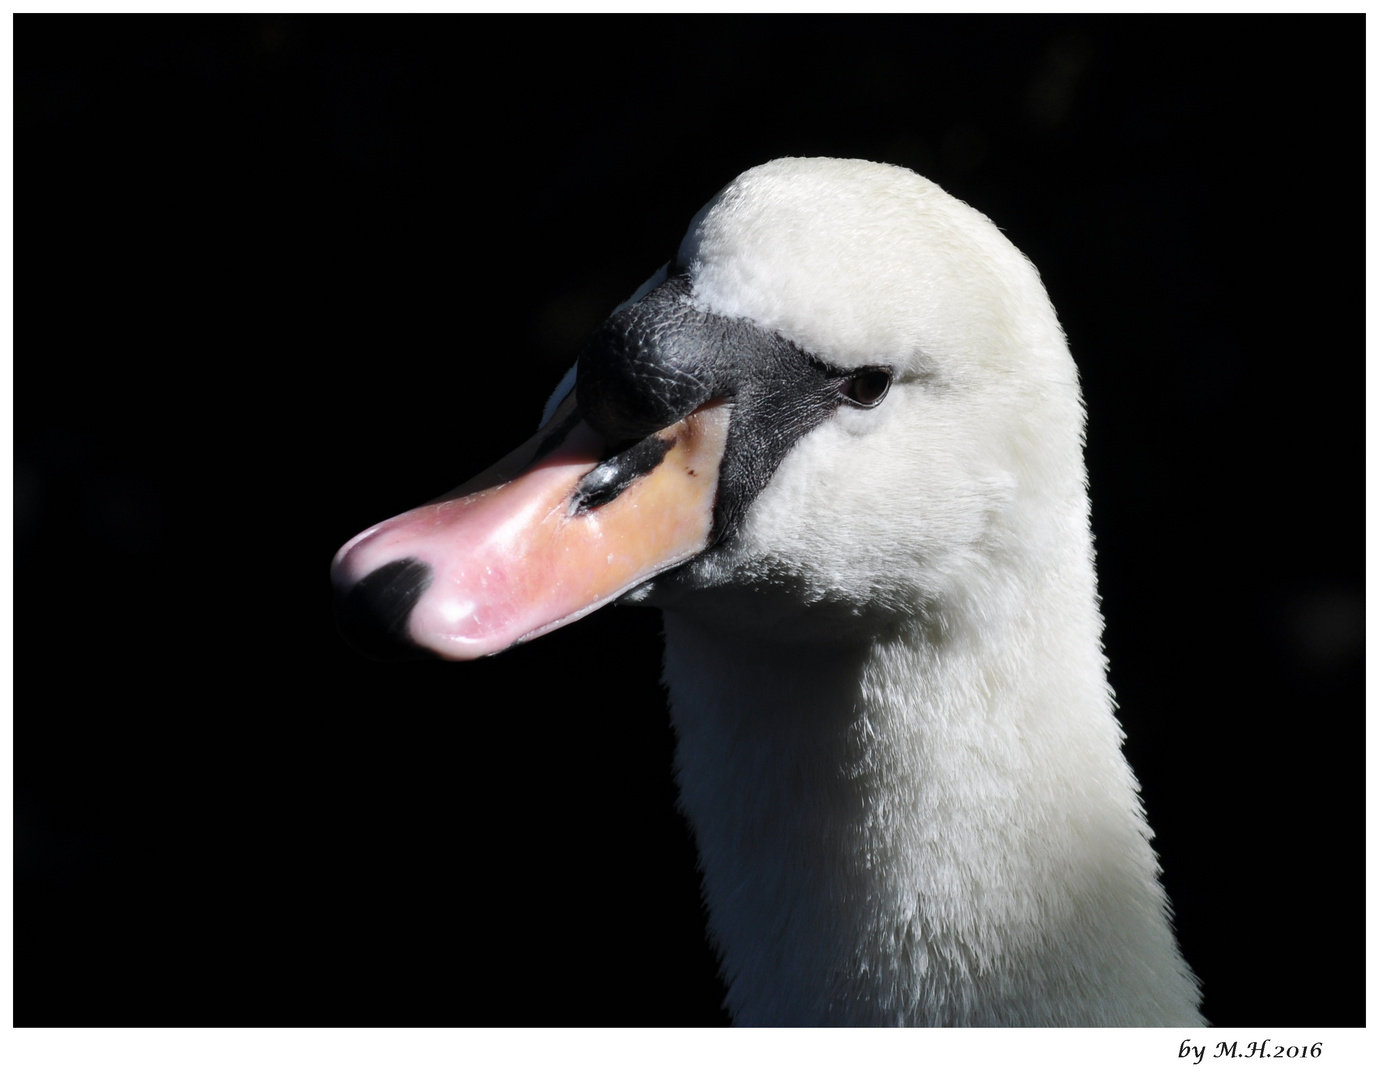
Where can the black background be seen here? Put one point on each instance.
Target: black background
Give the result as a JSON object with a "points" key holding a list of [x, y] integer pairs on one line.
{"points": [[278, 279]]}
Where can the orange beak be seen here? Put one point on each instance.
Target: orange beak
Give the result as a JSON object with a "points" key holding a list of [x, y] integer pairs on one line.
{"points": [[525, 547]]}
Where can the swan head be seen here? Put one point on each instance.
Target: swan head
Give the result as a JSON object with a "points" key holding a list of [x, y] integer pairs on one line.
{"points": [[847, 393]]}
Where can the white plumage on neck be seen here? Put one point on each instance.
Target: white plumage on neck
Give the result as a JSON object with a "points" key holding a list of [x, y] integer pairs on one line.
{"points": [[918, 831], [897, 744]]}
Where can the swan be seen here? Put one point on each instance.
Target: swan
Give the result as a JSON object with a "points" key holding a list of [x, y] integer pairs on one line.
{"points": [[837, 439]]}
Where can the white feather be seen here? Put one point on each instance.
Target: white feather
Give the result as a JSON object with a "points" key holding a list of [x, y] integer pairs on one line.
{"points": [[897, 744]]}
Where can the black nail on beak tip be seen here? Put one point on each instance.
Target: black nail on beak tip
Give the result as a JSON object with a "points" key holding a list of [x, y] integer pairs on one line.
{"points": [[372, 616]]}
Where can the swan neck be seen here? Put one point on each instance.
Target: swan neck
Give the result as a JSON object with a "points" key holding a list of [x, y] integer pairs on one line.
{"points": [[919, 832]]}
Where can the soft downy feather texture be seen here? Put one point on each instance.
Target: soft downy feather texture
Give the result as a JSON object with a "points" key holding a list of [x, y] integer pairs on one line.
{"points": [[837, 440], [897, 744]]}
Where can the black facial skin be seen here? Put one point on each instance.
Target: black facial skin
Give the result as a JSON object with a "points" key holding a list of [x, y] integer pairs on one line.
{"points": [[647, 367], [657, 361]]}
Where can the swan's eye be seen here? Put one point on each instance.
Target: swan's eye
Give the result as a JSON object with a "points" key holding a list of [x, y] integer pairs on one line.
{"points": [[867, 387]]}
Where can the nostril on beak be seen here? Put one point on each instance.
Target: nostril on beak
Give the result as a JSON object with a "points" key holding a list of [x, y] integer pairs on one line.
{"points": [[372, 615]]}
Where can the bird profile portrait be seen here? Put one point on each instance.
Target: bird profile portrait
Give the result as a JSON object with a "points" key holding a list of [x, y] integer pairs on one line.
{"points": [[582, 536], [837, 440]]}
